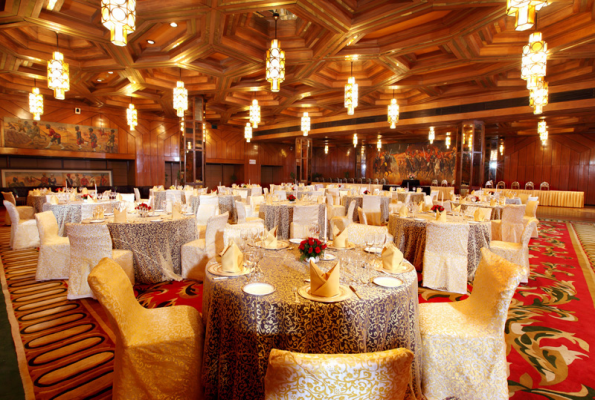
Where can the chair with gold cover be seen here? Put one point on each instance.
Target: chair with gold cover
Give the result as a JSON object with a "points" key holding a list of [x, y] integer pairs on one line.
{"points": [[54, 250], [23, 232], [158, 351], [531, 215], [510, 227], [463, 346], [89, 243], [517, 253], [196, 254], [383, 375], [25, 212], [445, 258]]}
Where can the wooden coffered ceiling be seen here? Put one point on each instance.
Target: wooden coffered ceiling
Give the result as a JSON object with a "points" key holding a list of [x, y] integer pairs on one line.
{"points": [[426, 53]]}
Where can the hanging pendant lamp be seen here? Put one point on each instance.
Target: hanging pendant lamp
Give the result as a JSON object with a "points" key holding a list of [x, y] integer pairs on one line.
{"points": [[275, 62], [35, 102], [58, 74]]}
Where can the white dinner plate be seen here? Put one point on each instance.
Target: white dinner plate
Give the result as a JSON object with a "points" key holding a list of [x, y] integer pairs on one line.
{"points": [[156, 220], [387, 281], [108, 214], [258, 289], [217, 269], [351, 246], [188, 213], [374, 250], [404, 267], [328, 257], [418, 219], [344, 294], [296, 241], [96, 221], [473, 222]]}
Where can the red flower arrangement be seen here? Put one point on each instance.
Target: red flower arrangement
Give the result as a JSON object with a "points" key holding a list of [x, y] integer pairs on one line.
{"points": [[366, 192], [310, 248], [143, 207], [437, 207], [84, 196], [476, 198], [290, 197]]}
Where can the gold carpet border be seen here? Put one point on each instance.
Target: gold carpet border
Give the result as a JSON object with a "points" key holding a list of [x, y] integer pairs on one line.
{"points": [[583, 261]]}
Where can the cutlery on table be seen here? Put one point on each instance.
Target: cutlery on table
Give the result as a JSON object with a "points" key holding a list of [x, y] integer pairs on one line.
{"points": [[355, 291]]}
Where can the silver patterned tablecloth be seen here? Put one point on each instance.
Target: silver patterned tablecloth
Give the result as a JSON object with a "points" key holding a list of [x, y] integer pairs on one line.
{"points": [[281, 214], [75, 212], [410, 238], [155, 245], [242, 329], [415, 197], [159, 197], [227, 203], [496, 210], [36, 202], [359, 200]]}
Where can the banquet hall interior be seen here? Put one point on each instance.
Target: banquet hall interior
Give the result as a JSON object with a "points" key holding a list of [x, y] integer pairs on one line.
{"points": [[300, 199]]}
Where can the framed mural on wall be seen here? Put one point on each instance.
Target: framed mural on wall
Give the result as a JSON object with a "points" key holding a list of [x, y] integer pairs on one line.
{"points": [[44, 178], [43, 135], [426, 162]]}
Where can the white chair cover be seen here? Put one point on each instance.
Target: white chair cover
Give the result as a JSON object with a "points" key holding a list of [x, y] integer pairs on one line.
{"points": [[23, 233], [356, 233], [510, 228], [243, 218], [371, 206], [341, 222], [303, 218], [137, 194], [175, 196], [128, 197], [54, 250], [445, 258], [204, 212], [517, 253]]}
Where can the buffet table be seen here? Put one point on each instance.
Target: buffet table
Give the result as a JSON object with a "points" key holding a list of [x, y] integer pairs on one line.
{"points": [[555, 198]]}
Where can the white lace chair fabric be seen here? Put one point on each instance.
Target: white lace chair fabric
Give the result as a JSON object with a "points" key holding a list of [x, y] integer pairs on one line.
{"points": [[280, 195], [196, 254], [23, 232], [303, 218], [516, 253], [342, 222], [54, 250], [25, 212], [435, 182], [514, 200], [255, 202], [445, 258], [356, 233], [371, 206], [510, 227], [209, 199], [89, 243], [464, 352], [444, 183], [531, 215], [242, 218], [544, 186]]}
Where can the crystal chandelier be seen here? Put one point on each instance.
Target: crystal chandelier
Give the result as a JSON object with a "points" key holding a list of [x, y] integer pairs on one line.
{"points": [[351, 93], [326, 149], [524, 11], [248, 132], [534, 60], [542, 130], [36, 103], [58, 77], [305, 124], [448, 140], [355, 140], [538, 97], [132, 116], [393, 112], [119, 16], [255, 114], [275, 70], [432, 135], [379, 143], [180, 98]]}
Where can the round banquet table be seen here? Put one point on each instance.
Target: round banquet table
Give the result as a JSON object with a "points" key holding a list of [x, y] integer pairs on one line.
{"points": [[242, 329], [496, 210], [359, 201], [280, 214], [227, 202], [410, 238], [76, 211], [156, 246], [415, 197]]}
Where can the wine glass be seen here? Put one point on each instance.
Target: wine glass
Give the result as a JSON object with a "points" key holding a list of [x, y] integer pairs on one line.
{"points": [[369, 240]]}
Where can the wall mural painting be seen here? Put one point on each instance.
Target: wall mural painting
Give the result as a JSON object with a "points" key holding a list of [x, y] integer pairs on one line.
{"points": [[427, 162], [40, 135], [43, 178]]}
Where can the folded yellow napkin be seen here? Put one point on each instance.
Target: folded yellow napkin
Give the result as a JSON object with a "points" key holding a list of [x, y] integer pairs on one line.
{"points": [[477, 215], [493, 202], [441, 216], [119, 216], [420, 206], [340, 238], [473, 192], [418, 190], [391, 257], [482, 198], [72, 197], [324, 284], [54, 200], [100, 212], [502, 201], [403, 211], [457, 209], [270, 242], [119, 197], [232, 258], [453, 197]]}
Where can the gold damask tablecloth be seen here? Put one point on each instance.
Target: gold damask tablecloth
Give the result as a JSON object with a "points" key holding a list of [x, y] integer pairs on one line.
{"points": [[241, 330], [359, 201], [410, 238], [556, 198], [415, 197], [281, 214]]}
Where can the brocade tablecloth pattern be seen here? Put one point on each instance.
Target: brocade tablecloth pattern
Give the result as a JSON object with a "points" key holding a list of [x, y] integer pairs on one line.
{"points": [[410, 238], [496, 210], [36, 202], [241, 330], [155, 245], [415, 197], [159, 197], [227, 203], [281, 214], [76, 212], [359, 201]]}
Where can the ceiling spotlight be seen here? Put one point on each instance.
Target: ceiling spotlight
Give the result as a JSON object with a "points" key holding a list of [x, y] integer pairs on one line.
{"points": [[99, 80], [355, 140], [110, 72], [151, 41], [173, 25]]}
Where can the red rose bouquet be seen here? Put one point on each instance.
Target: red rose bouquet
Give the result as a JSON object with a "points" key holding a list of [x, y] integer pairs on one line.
{"points": [[143, 207], [366, 192], [438, 208], [291, 197], [311, 248], [84, 196]]}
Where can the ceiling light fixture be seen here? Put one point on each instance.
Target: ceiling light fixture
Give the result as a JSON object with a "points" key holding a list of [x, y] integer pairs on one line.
{"points": [[151, 41], [524, 11], [180, 97], [448, 140], [51, 4], [255, 114], [99, 80], [110, 72], [326, 149], [354, 139], [182, 124], [35, 102], [132, 116], [393, 112], [501, 148], [351, 93], [173, 25], [305, 124], [275, 68], [119, 16], [471, 142], [538, 96], [543, 133], [58, 76], [432, 135], [379, 144], [248, 132], [534, 61]]}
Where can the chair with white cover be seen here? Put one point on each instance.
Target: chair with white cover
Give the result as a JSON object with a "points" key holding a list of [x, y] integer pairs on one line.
{"points": [[89, 243], [341, 222], [356, 233], [54, 250], [256, 191], [371, 206], [517, 253], [464, 351], [429, 200], [514, 200], [242, 218], [196, 254], [203, 213], [127, 197], [434, 195], [485, 214], [384, 375], [335, 209], [444, 183], [445, 258], [265, 191], [435, 182], [303, 218], [531, 215], [280, 195], [529, 186], [23, 232], [26, 212], [510, 227], [137, 195], [175, 196], [158, 351], [489, 184], [255, 202]]}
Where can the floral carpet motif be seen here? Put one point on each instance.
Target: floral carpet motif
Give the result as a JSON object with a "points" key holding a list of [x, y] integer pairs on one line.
{"points": [[549, 332]]}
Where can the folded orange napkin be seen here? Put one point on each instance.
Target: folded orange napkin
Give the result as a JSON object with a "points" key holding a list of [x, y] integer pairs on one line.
{"points": [[391, 257], [232, 258], [270, 241], [324, 284], [340, 238]]}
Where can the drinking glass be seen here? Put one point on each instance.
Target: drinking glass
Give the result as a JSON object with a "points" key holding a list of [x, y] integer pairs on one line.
{"points": [[369, 239]]}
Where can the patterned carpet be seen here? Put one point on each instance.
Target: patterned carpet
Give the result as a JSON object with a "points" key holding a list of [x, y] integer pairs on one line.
{"points": [[65, 348]]}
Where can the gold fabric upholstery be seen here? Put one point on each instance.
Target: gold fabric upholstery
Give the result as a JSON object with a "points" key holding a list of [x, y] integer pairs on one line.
{"points": [[464, 352], [383, 375], [158, 351], [54, 250]]}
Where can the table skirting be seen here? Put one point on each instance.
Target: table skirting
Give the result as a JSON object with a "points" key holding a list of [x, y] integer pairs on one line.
{"points": [[415, 197], [556, 198], [358, 186], [281, 215]]}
